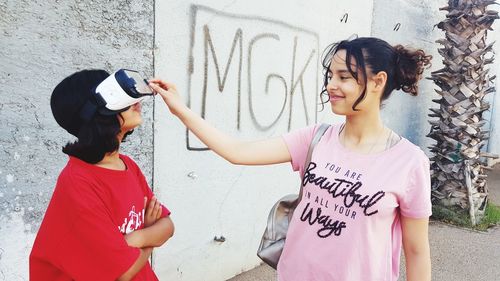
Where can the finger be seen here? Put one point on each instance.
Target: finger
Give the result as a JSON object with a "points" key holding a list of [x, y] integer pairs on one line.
{"points": [[158, 210], [158, 215], [158, 89], [163, 84], [157, 206], [151, 206], [145, 202], [159, 82]]}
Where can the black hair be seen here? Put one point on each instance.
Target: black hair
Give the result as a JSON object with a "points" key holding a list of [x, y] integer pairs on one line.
{"points": [[96, 138], [97, 133], [404, 66]]}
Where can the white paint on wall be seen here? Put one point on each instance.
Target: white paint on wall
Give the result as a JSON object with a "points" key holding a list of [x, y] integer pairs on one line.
{"points": [[9, 178], [221, 55], [15, 247]]}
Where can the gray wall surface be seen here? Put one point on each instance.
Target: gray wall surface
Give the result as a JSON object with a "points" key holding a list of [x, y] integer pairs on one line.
{"points": [[411, 23], [41, 43]]}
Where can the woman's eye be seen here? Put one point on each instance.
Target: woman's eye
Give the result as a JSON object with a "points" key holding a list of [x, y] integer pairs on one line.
{"points": [[344, 77]]}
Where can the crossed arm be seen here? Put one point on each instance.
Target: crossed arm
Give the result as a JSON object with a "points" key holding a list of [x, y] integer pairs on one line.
{"points": [[155, 233]]}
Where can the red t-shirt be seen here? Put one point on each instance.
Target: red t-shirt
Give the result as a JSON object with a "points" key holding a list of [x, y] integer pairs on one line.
{"points": [[81, 236]]}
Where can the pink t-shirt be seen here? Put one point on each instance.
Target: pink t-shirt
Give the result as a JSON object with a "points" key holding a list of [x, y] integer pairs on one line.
{"points": [[347, 226]]}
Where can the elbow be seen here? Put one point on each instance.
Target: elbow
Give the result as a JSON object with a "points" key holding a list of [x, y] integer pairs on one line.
{"points": [[167, 233], [234, 158], [170, 231], [234, 161], [237, 153], [417, 251], [231, 160]]}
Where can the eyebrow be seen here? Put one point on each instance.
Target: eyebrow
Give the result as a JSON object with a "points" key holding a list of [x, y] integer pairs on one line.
{"points": [[341, 71]]}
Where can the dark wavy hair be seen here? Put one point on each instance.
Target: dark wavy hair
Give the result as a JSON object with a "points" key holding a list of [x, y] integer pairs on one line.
{"points": [[96, 138], [404, 66]]}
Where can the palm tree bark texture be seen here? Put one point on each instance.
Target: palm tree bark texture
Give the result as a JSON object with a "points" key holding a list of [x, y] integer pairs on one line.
{"points": [[457, 162]]}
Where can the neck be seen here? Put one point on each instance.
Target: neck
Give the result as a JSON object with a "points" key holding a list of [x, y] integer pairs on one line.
{"points": [[112, 161], [363, 128]]}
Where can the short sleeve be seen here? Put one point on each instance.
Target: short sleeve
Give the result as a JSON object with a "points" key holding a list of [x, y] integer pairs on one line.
{"points": [[298, 144], [94, 248], [416, 203]]}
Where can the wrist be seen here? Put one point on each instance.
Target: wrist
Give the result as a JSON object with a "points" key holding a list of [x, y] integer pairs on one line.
{"points": [[135, 239], [147, 250], [183, 112]]}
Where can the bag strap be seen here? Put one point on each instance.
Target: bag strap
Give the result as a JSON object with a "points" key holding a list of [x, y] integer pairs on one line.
{"points": [[317, 136]]}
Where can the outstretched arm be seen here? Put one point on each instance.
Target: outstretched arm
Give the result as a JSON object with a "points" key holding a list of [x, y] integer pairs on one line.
{"points": [[270, 151]]}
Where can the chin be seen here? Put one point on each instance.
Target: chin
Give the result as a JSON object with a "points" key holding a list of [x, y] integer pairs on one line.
{"points": [[337, 110], [131, 124]]}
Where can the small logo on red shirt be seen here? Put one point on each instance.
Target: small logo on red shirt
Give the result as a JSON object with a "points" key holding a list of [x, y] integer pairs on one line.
{"points": [[133, 222]]}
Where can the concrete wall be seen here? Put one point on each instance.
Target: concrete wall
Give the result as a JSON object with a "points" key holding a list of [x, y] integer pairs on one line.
{"points": [[411, 23], [41, 43], [250, 43]]}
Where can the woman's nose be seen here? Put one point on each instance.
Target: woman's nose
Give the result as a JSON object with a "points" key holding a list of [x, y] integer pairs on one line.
{"points": [[332, 84]]}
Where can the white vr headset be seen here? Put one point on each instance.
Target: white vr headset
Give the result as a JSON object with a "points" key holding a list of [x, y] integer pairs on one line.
{"points": [[122, 89], [116, 94]]}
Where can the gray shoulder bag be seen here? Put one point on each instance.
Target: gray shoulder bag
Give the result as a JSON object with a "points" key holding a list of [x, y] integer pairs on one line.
{"points": [[280, 215]]}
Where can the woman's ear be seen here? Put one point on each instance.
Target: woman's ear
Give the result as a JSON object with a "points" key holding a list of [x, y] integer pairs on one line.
{"points": [[380, 80]]}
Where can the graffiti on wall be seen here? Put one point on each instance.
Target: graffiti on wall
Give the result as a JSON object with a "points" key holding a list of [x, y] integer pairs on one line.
{"points": [[251, 74]]}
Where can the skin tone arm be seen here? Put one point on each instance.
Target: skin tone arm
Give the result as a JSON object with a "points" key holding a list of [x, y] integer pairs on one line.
{"points": [[155, 233], [156, 230], [416, 248], [137, 266], [152, 236], [271, 151]]}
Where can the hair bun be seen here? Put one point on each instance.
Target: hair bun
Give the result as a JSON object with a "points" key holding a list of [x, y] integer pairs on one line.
{"points": [[410, 65]]}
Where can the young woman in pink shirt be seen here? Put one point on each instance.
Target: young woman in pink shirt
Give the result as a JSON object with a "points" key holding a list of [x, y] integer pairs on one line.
{"points": [[366, 190]]}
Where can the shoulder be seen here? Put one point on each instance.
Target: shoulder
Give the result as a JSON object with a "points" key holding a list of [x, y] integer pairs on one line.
{"points": [[76, 189], [414, 158], [308, 132], [80, 179], [413, 151], [76, 171]]}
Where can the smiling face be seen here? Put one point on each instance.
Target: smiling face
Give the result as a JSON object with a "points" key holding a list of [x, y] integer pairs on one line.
{"points": [[344, 90]]}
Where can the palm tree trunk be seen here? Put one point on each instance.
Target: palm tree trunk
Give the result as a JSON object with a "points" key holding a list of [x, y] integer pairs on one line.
{"points": [[457, 168]]}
